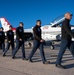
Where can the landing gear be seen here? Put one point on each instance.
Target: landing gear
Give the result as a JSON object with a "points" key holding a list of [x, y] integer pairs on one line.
{"points": [[29, 44], [51, 47]]}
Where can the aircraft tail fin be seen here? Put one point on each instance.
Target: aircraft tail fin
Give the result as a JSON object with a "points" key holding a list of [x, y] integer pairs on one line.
{"points": [[5, 24]]}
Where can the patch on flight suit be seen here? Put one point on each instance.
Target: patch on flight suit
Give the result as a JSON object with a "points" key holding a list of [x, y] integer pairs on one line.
{"points": [[0, 34], [39, 29], [20, 30], [10, 33]]}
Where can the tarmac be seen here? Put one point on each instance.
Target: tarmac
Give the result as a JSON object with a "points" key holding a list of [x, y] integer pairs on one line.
{"points": [[17, 66]]}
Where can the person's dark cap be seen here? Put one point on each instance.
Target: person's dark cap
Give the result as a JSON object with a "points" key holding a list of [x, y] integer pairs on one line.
{"points": [[22, 23], [1, 28], [11, 26], [38, 21]]}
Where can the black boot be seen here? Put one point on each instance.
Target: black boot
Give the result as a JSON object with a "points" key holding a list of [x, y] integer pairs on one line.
{"points": [[60, 66]]}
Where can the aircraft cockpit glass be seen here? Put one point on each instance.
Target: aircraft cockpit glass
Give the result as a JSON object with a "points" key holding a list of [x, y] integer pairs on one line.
{"points": [[57, 22], [57, 25]]}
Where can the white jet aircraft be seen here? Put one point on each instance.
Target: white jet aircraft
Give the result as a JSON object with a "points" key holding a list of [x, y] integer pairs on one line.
{"points": [[50, 33]]}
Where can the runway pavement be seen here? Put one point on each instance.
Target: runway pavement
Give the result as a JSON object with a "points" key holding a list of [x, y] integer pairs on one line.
{"points": [[9, 66]]}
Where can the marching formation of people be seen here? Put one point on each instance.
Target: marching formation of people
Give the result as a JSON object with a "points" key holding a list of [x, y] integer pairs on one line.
{"points": [[66, 41]]}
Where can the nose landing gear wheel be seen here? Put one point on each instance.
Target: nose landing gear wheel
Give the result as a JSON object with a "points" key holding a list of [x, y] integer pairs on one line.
{"points": [[52, 47], [29, 44]]}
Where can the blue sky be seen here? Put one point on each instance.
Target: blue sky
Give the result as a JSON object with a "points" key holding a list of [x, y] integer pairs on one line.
{"points": [[28, 11]]}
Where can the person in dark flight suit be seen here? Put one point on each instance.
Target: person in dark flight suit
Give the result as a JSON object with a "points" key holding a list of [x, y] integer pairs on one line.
{"points": [[66, 41], [38, 43], [2, 39], [10, 40], [19, 41]]}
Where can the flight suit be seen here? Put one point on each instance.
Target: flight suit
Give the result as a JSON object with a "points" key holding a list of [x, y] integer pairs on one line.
{"points": [[19, 35], [37, 44], [2, 40], [10, 41], [66, 41]]}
